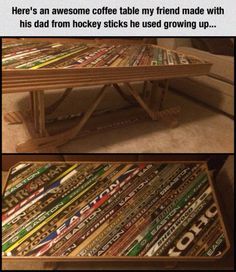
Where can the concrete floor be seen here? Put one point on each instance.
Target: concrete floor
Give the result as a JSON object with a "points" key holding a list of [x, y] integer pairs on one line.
{"points": [[201, 128]]}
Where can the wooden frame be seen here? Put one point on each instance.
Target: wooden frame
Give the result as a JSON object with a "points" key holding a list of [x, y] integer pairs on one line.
{"points": [[14, 81], [125, 258]]}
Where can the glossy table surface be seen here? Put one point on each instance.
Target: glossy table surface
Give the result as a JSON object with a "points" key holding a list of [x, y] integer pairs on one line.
{"points": [[112, 210], [43, 65]]}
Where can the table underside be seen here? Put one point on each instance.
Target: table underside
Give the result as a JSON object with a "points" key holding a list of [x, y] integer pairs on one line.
{"points": [[150, 100]]}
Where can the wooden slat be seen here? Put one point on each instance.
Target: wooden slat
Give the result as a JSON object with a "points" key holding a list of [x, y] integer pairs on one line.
{"points": [[11, 87], [101, 70], [41, 117]]}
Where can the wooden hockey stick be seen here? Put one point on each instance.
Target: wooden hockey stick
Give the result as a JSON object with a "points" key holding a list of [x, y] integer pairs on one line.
{"points": [[64, 137], [141, 102], [50, 109], [126, 97]]}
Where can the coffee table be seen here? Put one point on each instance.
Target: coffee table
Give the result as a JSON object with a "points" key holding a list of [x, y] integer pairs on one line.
{"points": [[51, 72], [140, 211]]}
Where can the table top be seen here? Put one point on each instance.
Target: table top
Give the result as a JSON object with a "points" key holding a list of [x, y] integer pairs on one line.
{"points": [[45, 64], [111, 210], [34, 55]]}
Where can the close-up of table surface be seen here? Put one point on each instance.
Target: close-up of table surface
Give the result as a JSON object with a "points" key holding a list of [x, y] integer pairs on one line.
{"points": [[140, 210]]}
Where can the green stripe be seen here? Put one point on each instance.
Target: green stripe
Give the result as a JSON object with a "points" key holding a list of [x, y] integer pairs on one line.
{"points": [[79, 171], [65, 200]]}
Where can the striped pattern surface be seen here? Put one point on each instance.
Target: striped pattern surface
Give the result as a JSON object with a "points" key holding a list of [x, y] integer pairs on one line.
{"points": [[33, 65], [37, 55], [111, 209]]}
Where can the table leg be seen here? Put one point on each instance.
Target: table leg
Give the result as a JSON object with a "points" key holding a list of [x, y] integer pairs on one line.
{"points": [[35, 111], [31, 103], [46, 141], [158, 95], [153, 111], [141, 102], [163, 94], [61, 138], [41, 115], [38, 111], [144, 90], [154, 96]]}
